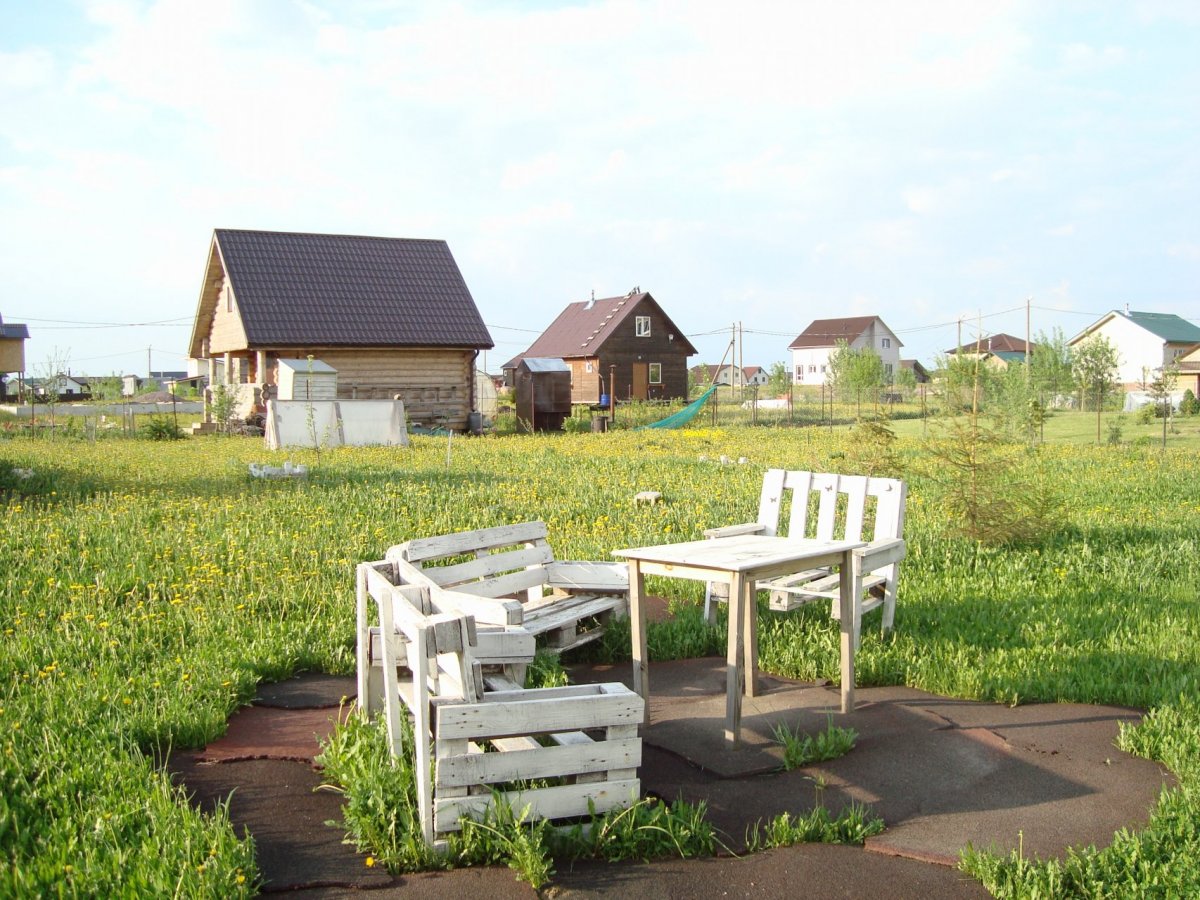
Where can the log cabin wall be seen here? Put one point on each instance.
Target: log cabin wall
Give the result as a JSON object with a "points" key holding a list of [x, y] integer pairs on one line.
{"points": [[227, 333], [434, 382]]}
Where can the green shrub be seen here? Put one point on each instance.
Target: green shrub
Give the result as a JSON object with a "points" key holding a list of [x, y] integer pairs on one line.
{"points": [[161, 428]]}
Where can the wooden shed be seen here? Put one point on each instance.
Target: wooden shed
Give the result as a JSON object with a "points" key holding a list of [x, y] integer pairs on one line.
{"points": [[543, 393], [306, 379]]}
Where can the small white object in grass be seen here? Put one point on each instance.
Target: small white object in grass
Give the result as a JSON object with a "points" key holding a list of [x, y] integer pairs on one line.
{"points": [[724, 460], [650, 497], [23, 473], [742, 460]]}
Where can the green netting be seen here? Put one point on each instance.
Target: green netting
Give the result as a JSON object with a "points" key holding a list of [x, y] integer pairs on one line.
{"points": [[685, 415]]}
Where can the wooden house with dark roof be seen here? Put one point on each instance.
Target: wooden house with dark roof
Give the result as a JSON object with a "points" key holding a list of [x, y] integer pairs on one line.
{"points": [[392, 316], [625, 347]]}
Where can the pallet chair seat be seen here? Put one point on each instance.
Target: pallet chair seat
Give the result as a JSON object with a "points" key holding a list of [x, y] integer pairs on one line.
{"points": [[842, 512], [511, 572]]}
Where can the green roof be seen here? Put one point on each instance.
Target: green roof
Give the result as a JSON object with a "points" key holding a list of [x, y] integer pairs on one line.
{"points": [[1167, 326]]}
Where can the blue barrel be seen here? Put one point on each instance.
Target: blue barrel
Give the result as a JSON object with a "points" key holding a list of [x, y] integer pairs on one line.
{"points": [[604, 399]]}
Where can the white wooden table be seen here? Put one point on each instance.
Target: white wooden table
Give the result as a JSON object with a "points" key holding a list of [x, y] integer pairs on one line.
{"points": [[740, 562]]}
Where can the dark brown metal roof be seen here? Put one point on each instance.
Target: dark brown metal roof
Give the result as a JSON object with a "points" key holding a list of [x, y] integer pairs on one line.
{"points": [[335, 289], [582, 328], [997, 343], [827, 332]]}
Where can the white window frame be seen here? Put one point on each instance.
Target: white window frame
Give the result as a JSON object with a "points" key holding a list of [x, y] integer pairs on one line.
{"points": [[587, 367], [641, 326], [885, 343], [650, 373]]}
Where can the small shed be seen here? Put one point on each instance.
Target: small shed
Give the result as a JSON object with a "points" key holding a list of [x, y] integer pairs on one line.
{"points": [[306, 379], [543, 393]]}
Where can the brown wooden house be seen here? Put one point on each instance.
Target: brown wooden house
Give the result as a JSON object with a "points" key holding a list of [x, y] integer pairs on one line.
{"points": [[626, 347], [392, 316]]}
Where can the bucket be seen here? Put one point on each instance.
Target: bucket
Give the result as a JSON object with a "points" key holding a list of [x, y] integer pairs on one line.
{"points": [[604, 399]]}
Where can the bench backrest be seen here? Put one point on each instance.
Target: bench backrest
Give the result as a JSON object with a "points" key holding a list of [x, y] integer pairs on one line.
{"points": [[842, 507], [508, 560]]}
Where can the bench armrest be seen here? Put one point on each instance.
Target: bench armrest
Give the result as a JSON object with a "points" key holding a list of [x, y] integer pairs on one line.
{"points": [[734, 530], [881, 553]]}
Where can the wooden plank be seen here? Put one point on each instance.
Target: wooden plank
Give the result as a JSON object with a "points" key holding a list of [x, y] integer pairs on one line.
{"points": [[568, 611], [855, 489], [489, 565], [604, 577], [827, 484], [801, 485], [420, 550], [544, 803], [504, 585], [770, 500], [535, 715], [508, 745], [485, 610], [525, 762]]}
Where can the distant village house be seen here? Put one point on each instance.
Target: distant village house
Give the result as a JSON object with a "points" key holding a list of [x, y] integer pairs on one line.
{"points": [[625, 347], [812, 348]]}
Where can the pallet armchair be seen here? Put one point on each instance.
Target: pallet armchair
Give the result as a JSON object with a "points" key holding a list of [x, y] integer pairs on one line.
{"points": [[511, 573], [842, 510], [475, 747]]}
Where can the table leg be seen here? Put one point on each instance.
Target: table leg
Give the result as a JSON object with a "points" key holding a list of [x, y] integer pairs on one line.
{"points": [[637, 628], [849, 582], [734, 661], [750, 618]]}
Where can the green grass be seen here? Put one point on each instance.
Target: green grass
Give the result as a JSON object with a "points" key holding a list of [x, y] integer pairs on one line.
{"points": [[146, 588], [800, 749]]}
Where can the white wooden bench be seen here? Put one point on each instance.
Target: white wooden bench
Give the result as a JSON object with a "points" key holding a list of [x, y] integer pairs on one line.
{"points": [[512, 572], [843, 508], [487, 744]]}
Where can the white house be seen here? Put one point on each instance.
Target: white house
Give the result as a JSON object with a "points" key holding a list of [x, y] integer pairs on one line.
{"points": [[1145, 341], [811, 350], [756, 375]]}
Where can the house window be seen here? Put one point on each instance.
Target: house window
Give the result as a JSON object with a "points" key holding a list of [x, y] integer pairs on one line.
{"points": [[799, 373], [885, 343], [822, 370], [655, 372], [813, 368], [641, 326], [887, 370], [587, 366]]}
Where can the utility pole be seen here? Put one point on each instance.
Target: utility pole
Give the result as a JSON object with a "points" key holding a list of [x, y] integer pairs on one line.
{"points": [[148, 364], [1028, 301]]}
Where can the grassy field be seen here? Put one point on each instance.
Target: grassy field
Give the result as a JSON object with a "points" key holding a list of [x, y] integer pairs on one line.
{"points": [[147, 588]]}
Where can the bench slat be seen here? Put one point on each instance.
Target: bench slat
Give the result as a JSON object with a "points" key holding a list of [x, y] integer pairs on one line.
{"points": [[439, 547]]}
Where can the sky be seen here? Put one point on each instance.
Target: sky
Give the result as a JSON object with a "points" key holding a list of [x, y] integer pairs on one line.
{"points": [[941, 164]]}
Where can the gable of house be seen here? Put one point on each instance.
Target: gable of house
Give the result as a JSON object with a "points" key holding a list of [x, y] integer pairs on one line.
{"points": [[627, 340], [293, 290], [811, 349], [1145, 342]]}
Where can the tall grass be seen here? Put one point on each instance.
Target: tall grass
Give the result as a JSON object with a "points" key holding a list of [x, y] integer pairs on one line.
{"points": [[146, 588]]}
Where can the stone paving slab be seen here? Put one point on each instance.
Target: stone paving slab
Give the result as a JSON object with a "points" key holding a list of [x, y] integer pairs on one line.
{"points": [[940, 772]]}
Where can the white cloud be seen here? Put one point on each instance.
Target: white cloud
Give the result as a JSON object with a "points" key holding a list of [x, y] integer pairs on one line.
{"points": [[519, 176]]}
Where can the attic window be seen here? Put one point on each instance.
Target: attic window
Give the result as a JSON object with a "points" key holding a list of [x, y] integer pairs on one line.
{"points": [[641, 326], [886, 343]]}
